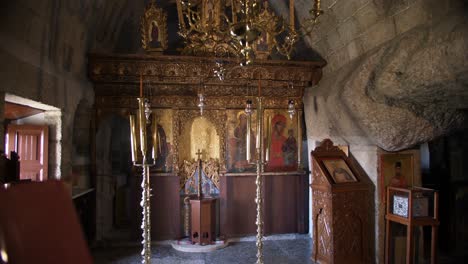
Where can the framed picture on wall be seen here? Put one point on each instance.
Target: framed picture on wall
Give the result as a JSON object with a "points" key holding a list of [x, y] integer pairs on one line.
{"points": [[396, 170], [339, 170]]}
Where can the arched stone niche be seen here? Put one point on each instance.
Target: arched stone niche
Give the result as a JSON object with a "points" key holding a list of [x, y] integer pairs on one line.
{"points": [[204, 132]]}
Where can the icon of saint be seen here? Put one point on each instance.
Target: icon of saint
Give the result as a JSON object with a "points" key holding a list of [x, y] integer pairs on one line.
{"points": [[290, 149], [398, 180], [154, 40], [238, 145], [278, 124]]}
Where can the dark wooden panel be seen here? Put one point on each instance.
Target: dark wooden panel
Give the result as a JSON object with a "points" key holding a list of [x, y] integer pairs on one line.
{"points": [[165, 207], [237, 206], [284, 204], [203, 220]]}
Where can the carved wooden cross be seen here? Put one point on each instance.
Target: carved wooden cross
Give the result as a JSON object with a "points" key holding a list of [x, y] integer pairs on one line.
{"points": [[199, 153]]}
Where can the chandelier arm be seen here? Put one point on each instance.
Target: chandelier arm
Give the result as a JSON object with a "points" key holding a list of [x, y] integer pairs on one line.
{"points": [[241, 28]]}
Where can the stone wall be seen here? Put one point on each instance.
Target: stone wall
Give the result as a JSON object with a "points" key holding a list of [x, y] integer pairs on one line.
{"points": [[350, 28], [43, 50], [397, 76]]}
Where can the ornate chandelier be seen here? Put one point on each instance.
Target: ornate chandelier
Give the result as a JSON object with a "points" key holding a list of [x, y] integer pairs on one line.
{"points": [[248, 29]]}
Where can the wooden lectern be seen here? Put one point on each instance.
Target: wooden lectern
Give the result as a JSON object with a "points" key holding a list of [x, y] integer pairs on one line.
{"points": [[342, 208], [203, 220], [203, 214]]}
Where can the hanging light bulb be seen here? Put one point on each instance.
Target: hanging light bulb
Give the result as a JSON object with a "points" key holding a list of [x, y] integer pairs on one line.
{"points": [[201, 102], [291, 109], [147, 111], [248, 107]]}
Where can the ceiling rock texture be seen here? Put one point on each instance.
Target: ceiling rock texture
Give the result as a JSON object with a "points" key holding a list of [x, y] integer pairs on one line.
{"points": [[396, 73], [396, 78]]}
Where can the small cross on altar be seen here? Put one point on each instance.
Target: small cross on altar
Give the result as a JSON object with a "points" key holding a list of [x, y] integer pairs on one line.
{"points": [[199, 153]]}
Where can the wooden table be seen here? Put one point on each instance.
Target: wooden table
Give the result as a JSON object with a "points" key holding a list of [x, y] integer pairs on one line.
{"points": [[411, 221]]}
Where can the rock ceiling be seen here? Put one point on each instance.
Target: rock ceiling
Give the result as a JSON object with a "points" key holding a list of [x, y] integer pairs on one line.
{"points": [[402, 90]]}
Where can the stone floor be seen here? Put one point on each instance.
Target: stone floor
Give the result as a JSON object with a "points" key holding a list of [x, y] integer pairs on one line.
{"points": [[275, 251]]}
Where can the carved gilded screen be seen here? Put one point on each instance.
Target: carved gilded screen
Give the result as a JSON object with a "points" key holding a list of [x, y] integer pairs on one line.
{"points": [[164, 161], [281, 134], [236, 142]]}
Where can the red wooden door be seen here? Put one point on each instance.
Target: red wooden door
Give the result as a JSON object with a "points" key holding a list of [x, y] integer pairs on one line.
{"points": [[31, 144]]}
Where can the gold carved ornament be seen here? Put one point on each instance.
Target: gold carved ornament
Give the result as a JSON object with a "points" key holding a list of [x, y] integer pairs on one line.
{"points": [[154, 20], [210, 168], [224, 28]]}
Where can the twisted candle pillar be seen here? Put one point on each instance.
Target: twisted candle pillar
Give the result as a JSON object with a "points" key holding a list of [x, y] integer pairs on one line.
{"points": [[146, 221], [260, 157]]}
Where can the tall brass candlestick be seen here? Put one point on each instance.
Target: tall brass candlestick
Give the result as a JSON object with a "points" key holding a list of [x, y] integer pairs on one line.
{"points": [[259, 181], [261, 158], [259, 119], [142, 127], [142, 158], [146, 213], [258, 138], [299, 139], [133, 138], [268, 131], [145, 185], [247, 141]]}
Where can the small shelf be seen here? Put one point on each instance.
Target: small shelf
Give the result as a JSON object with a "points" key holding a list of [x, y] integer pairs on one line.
{"points": [[411, 207]]}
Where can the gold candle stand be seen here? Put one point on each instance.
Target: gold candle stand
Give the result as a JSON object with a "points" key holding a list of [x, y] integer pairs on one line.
{"points": [[260, 163], [261, 159], [141, 157]]}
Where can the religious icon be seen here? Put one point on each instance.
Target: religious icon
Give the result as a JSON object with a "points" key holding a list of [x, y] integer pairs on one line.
{"points": [[283, 150], [398, 180], [164, 140], [278, 124], [154, 37], [163, 148], [154, 28], [262, 44], [396, 170], [237, 142], [290, 149], [339, 170]]}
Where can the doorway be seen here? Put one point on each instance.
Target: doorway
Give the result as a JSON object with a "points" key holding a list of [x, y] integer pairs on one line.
{"points": [[449, 175], [29, 128], [30, 142]]}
